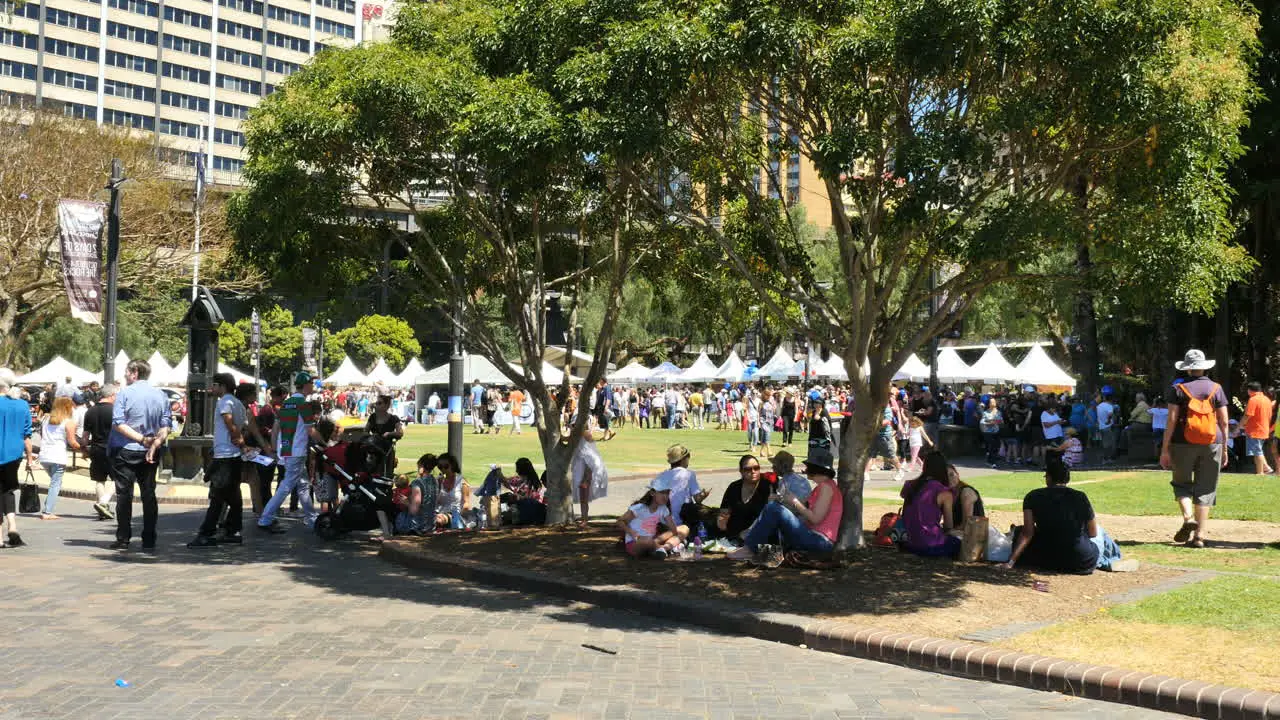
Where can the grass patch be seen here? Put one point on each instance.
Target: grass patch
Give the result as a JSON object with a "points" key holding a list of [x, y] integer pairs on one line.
{"points": [[634, 450], [1230, 603], [1260, 561], [1147, 492]]}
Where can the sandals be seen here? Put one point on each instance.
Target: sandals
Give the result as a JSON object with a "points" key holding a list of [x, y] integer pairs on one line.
{"points": [[1186, 531]]}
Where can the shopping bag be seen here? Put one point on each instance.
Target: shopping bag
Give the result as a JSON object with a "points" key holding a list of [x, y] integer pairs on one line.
{"points": [[974, 543], [29, 494], [999, 546]]}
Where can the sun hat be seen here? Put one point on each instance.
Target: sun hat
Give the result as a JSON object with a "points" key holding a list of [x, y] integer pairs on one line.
{"points": [[676, 453], [662, 483], [1194, 360], [821, 459]]}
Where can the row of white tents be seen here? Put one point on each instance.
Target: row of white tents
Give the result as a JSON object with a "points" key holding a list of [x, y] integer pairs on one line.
{"points": [[163, 374], [992, 368]]}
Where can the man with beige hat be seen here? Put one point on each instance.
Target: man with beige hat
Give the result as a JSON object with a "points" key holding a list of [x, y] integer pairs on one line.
{"points": [[684, 489], [1194, 445]]}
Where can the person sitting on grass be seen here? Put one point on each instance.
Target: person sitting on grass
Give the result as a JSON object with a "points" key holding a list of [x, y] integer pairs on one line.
{"points": [[810, 527], [527, 495], [784, 464], [927, 507], [419, 516], [1072, 449], [743, 500], [966, 504], [453, 497], [639, 524], [1059, 531]]}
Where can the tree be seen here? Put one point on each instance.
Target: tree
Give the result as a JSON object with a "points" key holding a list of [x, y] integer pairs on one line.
{"points": [[956, 141], [145, 324], [378, 336], [540, 196], [281, 353], [45, 158]]}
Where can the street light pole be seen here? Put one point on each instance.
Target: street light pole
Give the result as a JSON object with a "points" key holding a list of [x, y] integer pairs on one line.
{"points": [[455, 386], [113, 272]]}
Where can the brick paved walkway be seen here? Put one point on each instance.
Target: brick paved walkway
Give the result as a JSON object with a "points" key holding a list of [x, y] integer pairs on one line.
{"points": [[288, 627]]}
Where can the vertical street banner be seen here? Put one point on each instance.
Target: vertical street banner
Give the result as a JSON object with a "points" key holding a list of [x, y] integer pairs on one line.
{"points": [[79, 234], [309, 347], [255, 336]]}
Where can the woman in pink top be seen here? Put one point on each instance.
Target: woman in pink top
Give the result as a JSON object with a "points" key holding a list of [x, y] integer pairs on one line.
{"points": [[927, 511], [812, 527]]}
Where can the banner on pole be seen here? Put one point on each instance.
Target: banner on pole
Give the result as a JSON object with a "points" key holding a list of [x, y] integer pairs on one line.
{"points": [[309, 335], [255, 338], [79, 234]]}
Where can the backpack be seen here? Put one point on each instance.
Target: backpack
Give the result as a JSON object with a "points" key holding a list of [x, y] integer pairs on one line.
{"points": [[889, 533], [1201, 424]]}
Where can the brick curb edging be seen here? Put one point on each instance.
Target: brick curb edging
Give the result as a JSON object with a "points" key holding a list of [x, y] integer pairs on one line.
{"points": [[951, 657], [93, 497]]}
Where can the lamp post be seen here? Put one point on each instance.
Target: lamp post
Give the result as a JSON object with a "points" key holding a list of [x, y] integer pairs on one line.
{"points": [[113, 272], [455, 386]]}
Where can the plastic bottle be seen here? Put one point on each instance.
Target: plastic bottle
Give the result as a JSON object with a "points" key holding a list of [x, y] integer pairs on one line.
{"points": [[702, 532], [697, 547]]}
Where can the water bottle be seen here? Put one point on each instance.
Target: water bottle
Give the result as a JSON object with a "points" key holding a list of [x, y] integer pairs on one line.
{"points": [[697, 547], [483, 522], [702, 532]]}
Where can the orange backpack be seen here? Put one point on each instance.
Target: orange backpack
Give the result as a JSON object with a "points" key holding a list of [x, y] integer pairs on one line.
{"points": [[1201, 426]]}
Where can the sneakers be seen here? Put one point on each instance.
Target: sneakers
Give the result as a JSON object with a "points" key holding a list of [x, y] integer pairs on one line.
{"points": [[117, 545], [897, 476], [1197, 543], [15, 540], [203, 541], [1184, 533], [101, 510], [228, 539], [661, 554]]}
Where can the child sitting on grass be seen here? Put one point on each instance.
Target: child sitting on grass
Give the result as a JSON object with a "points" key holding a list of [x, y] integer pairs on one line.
{"points": [[640, 524], [1072, 449], [419, 515]]}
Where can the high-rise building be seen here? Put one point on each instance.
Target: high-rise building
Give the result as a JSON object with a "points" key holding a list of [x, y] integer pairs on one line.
{"points": [[174, 68]]}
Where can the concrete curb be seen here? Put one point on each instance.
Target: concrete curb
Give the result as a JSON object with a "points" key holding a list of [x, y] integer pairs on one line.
{"points": [[951, 657]]}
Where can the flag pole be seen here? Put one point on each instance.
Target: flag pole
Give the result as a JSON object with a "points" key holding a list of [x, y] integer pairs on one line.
{"points": [[200, 182]]}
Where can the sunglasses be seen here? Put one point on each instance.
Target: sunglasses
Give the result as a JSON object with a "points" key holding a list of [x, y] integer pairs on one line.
{"points": [[746, 468]]}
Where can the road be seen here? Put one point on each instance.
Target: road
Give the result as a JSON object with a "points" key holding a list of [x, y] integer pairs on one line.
{"points": [[289, 627]]}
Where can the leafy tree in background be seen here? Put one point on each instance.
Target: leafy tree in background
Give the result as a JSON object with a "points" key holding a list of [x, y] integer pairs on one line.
{"points": [[378, 336], [281, 344]]}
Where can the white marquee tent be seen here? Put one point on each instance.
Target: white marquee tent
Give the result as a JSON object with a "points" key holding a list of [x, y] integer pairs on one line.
{"points": [[1037, 368], [951, 369], [412, 370], [732, 369], [346, 375], [478, 367], [913, 369], [833, 368], [780, 366], [381, 374], [58, 370], [159, 366], [122, 361], [634, 372], [177, 376], [992, 368], [702, 370], [664, 374]]}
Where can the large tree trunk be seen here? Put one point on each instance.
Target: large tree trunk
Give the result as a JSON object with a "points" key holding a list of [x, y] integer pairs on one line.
{"points": [[854, 448], [1086, 356]]}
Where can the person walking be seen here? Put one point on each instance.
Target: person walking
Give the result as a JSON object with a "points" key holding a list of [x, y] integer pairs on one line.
{"points": [[1257, 427], [223, 474], [140, 422], [15, 446], [293, 430], [1194, 445], [57, 436], [94, 434]]}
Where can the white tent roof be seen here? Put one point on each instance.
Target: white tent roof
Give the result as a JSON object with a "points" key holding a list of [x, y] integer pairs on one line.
{"points": [[780, 367], [58, 370], [177, 375], [832, 367], [667, 372], [993, 368], [411, 371], [241, 377], [346, 375], [731, 369], [159, 366], [913, 369], [554, 376], [381, 374], [1037, 368], [632, 373], [122, 361], [478, 367], [702, 370], [951, 369]]}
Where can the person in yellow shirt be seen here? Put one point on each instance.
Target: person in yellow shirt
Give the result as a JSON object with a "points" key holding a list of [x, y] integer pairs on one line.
{"points": [[696, 405]]}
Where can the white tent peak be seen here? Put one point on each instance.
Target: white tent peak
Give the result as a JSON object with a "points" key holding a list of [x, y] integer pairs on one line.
{"points": [[410, 372], [381, 374], [667, 372], [346, 375], [951, 369], [634, 372], [779, 367], [993, 368], [58, 370], [731, 369], [702, 370], [913, 369], [1037, 368]]}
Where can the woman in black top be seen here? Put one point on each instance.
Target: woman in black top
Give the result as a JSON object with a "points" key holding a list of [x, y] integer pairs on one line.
{"points": [[788, 417], [968, 503], [386, 430], [743, 500]]}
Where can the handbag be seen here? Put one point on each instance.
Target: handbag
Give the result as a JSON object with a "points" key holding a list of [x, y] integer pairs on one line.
{"points": [[29, 494], [973, 545]]}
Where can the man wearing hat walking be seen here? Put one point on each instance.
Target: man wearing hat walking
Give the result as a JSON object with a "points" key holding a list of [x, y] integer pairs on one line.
{"points": [[292, 433], [1194, 445]]}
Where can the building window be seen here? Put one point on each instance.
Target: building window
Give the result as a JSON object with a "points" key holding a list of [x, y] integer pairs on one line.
{"points": [[28, 9], [141, 7], [187, 45], [228, 137], [284, 67], [231, 110], [230, 82], [249, 6], [17, 38], [227, 164], [70, 49], [182, 72], [129, 32], [184, 101], [186, 17], [73, 80], [174, 156], [293, 17], [80, 111], [119, 88], [240, 57], [346, 6], [235, 29], [177, 127], [128, 119], [288, 42], [22, 71], [70, 19], [136, 63], [335, 28]]}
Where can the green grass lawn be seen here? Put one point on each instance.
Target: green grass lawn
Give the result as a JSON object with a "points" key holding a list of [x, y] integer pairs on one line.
{"points": [[633, 451], [1240, 497], [1230, 603], [1264, 560]]}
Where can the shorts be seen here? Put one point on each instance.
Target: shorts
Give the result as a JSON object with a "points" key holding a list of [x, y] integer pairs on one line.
{"points": [[1054, 442], [326, 488], [883, 447], [602, 419], [99, 467], [1037, 434], [1195, 472], [9, 476], [1253, 447], [630, 547]]}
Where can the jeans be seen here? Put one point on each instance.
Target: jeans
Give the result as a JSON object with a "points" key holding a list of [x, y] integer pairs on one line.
{"points": [[795, 534], [127, 468], [753, 434], [55, 485], [224, 496], [788, 429], [295, 476], [697, 417], [455, 520], [992, 443]]}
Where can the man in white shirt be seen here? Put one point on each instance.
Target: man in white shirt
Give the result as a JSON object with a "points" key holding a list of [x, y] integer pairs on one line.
{"points": [[684, 489], [1106, 427], [433, 404], [223, 474]]}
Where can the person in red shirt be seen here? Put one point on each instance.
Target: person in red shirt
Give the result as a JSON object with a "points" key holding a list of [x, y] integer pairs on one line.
{"points": [[1257, 422]]}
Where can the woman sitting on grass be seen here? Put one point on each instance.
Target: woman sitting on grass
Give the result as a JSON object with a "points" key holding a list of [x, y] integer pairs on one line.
{"points": [[640, 523], [743, 500], [419, 517], [527, 495], [453, 498], [808, 527], [966, 501], [927, 507], [1059, 531]]}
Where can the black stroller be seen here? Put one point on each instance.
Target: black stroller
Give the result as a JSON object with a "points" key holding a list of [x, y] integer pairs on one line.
{"points": [[350, 471]]}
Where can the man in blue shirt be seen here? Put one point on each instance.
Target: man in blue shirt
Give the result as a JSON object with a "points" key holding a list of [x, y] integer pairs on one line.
{"points": [[140, 424], [15, 446], [477, 407]]}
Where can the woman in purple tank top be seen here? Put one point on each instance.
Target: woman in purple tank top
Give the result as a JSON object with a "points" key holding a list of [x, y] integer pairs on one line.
{"points": [[927, 511]]}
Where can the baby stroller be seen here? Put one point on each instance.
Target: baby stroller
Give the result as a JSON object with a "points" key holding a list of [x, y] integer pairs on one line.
{"points": [[353, 486]]}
